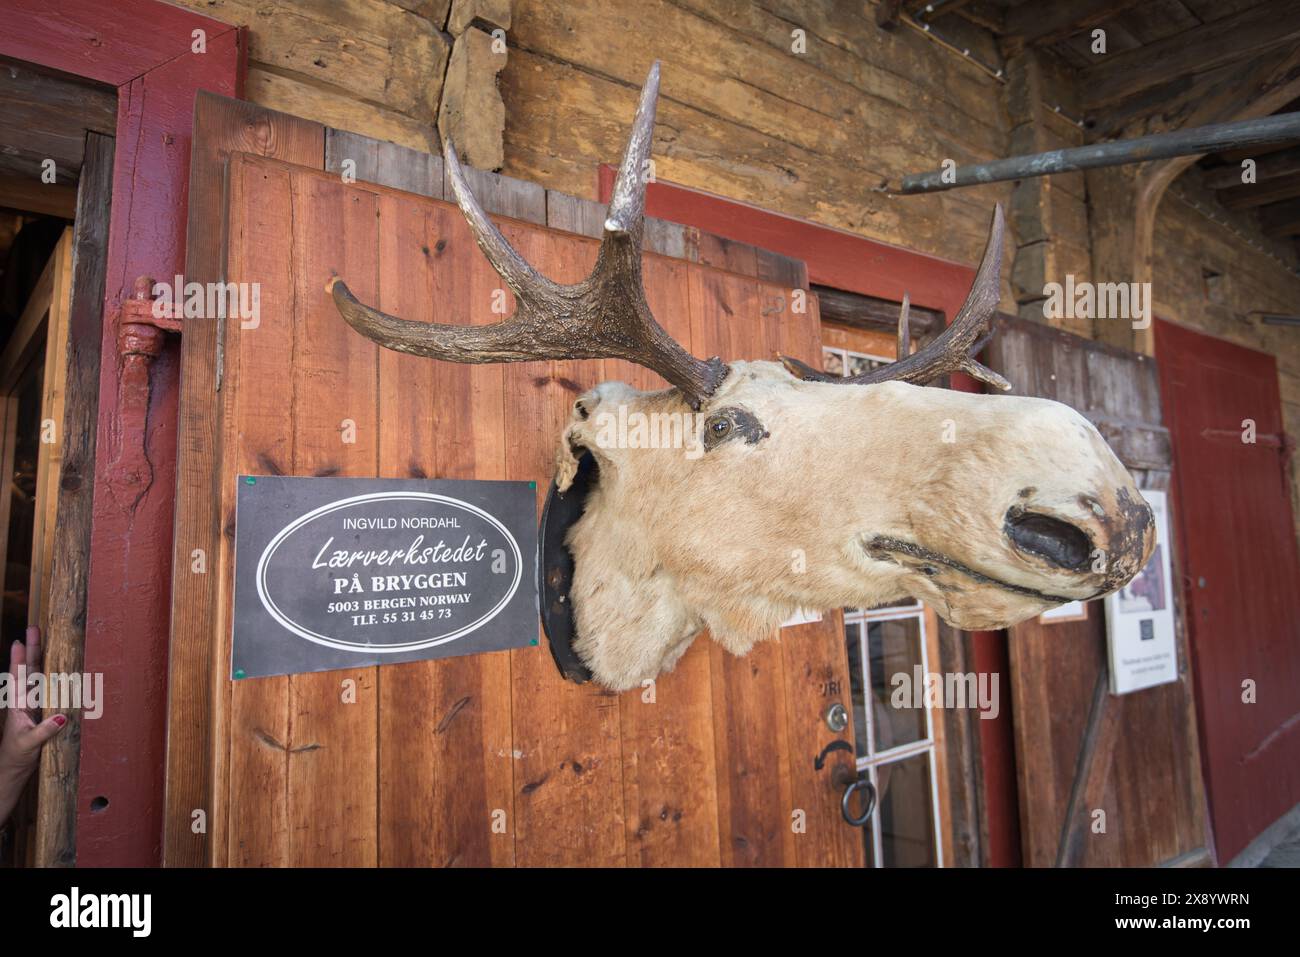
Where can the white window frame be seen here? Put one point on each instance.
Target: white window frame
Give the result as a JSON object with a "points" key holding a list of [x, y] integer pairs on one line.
{"points": [[873, 759], [845, 354]]}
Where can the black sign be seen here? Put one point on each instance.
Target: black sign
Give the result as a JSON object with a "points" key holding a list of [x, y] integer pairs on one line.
{"points": [[336, 572]]}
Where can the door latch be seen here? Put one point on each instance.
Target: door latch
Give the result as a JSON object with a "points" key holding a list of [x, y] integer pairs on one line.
{"points": [[852, 783]]}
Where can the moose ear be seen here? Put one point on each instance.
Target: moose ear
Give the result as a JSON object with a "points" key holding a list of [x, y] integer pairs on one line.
{"points": [[576, 439]]}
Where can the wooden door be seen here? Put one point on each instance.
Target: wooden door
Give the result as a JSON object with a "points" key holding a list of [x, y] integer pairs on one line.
{"points": [[434, 757], [1241, 575], [32, 381], [33, 378], [1079, 749]]}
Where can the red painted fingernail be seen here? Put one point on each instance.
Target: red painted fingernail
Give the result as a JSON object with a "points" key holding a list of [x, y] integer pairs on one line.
{"points": [[60, 720]]}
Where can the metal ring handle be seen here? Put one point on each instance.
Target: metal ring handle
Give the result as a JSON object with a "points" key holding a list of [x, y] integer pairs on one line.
{"points": [[862, 782]]}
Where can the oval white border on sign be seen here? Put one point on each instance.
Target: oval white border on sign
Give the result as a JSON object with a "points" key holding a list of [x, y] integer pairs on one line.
{"points": [[274, 611]]}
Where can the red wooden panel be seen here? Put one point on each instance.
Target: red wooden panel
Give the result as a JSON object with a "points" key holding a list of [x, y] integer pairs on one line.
{"points": [[569, 773], [1232, 504], [113, 43], [413, 773], [440, 420], [142, 47], [834, 257], [334, 383]]}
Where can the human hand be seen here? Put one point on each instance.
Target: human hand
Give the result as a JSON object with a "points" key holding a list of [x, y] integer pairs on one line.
{"points": [[24, 735]]}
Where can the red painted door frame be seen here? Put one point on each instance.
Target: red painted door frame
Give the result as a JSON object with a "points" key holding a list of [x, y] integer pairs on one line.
{"points": [[856, 264], [143, 48]]}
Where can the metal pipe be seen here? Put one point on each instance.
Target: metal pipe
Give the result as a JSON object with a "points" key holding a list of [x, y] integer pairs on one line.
{"points": [[1201, 139]]}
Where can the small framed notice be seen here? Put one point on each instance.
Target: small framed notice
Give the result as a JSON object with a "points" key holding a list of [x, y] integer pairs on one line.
{"points": [[338, 572], [1140, 617]]}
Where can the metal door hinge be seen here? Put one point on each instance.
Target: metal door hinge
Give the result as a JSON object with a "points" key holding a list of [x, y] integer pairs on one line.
{"points": [[142, 327]]}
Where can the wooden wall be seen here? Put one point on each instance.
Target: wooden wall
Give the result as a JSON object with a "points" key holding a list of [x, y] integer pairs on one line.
{"points": [[709, 771], [372, 66], [419, 769], [1049, 214], [1187, 244], [742, 116]]}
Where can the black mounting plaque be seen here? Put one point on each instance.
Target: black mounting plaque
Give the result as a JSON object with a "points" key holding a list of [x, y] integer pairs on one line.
{"points": [[555, 569]]}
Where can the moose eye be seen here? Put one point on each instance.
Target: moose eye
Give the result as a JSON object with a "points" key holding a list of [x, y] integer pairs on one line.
{"points": [[731, 423]]}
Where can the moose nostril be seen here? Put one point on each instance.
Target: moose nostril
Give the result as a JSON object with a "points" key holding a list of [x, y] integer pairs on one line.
{"points": [[1059, 542]]}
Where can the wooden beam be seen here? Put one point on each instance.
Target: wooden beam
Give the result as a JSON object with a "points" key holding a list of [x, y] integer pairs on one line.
{"points": [[986, 14], [33, 196], [1188, 100], [887, 12], [1092, 771], [1281, 219], [485, 14], [45, 116], [1043, 24], [50, 458], [1254, 152], [877, 315], [199, 689], [1271, 166], [1234, 38], [472, 114], [65, 632], [1249, 195]]}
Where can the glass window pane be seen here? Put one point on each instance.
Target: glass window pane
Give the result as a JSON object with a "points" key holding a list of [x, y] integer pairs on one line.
{"points": [[895, 650], [860, 364], [832, 362], [857, 682], [906, 809], [869, 839]]}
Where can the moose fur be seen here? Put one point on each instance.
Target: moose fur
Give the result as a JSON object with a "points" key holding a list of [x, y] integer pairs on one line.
{"points": [[820, 512]]}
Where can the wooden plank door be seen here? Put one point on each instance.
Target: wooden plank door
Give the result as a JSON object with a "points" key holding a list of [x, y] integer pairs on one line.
{"points": [[1078, 748], [489, 759], [1241, 575], [32, 388]]}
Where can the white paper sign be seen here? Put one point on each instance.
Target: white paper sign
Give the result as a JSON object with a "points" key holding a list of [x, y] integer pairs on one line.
{"points": [[1070, 611], [1140, 617]]}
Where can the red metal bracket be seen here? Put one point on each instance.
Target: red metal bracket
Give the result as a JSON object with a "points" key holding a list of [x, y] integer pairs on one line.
{"points": [[142, 327]]}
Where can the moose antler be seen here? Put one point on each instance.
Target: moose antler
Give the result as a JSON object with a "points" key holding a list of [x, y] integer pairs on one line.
{"points": [[953, 350], [604, 316]]}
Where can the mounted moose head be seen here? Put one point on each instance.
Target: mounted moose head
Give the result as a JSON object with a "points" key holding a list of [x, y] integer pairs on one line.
{"points": [[796, 489]]}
